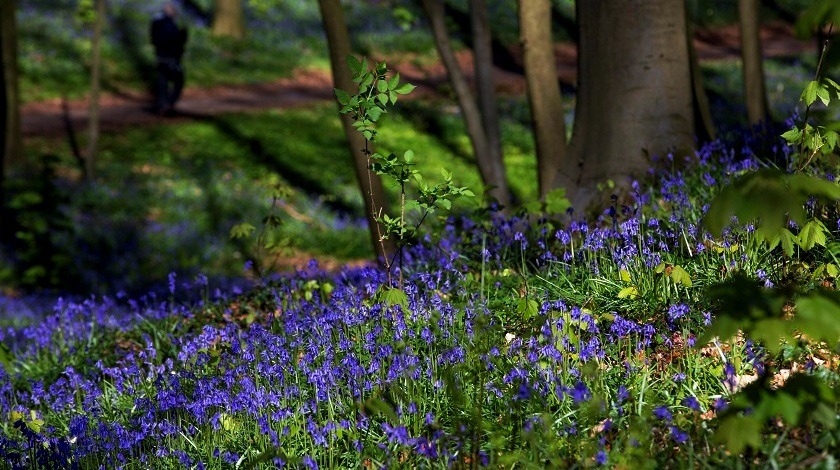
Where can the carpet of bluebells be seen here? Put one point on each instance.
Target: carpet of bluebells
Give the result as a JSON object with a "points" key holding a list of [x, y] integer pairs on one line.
{"points": [[519, 339]]}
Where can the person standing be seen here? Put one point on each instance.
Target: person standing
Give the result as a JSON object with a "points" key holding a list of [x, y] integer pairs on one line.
{"points": [[169, 39]]}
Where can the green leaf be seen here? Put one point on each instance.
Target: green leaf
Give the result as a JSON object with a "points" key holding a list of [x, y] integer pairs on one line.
{"points": [[243, 230], [793, 136], [624, 275], [408, 157], [822, 94], [739, 432], [382, 98], [374, 113], [342, 96], [680, 276], [377, 405], [527, 308], [391, 296], [381, 86], [809, 95], [444, 203], [355, 65], [6, 358], [394, 81], [812, 234], [628, 292], [818, 315], [556, 201], [404, 89]]}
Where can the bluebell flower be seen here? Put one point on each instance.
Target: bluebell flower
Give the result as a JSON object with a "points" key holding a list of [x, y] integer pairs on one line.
{"points": [[692, 403], [662, 413]]}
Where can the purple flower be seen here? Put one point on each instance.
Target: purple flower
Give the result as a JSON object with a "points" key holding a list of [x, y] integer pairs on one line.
{"points": [[661, 413], [580, 393], [601, 457], [678, 436], [691, 403]]}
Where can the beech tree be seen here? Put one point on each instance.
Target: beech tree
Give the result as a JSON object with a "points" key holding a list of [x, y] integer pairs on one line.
{"points": [[634, 96], [544, 97], [10, 146], [338, 42], [755, 95], [95, 85], [489, 160], [228, 19]]}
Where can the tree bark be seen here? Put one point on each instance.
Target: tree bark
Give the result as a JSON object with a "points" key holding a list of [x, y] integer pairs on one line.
{"points": [[338, 41], [755, 94], [10, 145], [486, 87], [95, 85], [492, 173], [634, 96], [12, 152], [544, 97], [228, 19]]}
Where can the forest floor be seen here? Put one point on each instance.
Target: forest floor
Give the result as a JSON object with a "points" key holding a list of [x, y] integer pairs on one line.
{"points": [[303, 87]]}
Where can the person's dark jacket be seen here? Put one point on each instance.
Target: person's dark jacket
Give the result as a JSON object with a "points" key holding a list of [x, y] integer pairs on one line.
{"points": [[168, 38]]}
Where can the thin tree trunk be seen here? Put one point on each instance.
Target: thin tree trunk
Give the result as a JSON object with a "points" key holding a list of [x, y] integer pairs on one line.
{"points": [[492, 179], [703, 122], [95, 84], [12, 153], [228, 19], [544, 97], [485, 86], [755, 94], [338, 41]]}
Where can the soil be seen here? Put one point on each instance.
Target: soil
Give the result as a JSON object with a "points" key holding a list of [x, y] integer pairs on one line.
{"points": [[304, 87]]}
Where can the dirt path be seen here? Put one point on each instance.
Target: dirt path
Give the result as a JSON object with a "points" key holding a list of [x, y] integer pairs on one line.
{"points": [[52, 118]]}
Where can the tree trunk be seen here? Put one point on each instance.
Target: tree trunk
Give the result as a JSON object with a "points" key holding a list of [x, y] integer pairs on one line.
{"points": [[755, 95], [12, 152], [486, 87], [338, 42], [492, 174], [95, 84], [634, 96], [704, 125], [228, 19], [544, 97], [10, 145]]}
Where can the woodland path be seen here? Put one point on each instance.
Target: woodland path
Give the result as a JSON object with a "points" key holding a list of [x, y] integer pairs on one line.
{"points": [[304, 87]]}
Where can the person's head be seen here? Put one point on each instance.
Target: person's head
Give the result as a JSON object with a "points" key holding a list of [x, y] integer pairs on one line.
{"points": [[170, 10]]}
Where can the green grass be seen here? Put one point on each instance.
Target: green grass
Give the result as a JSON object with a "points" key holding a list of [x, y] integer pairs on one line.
{"points": [[173, 191]]}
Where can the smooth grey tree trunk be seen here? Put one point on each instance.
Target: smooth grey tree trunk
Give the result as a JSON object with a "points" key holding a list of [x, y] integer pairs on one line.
{"points": [[492, 174], [755, 95], [338, 41], [544, 97], [634, 96]]}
